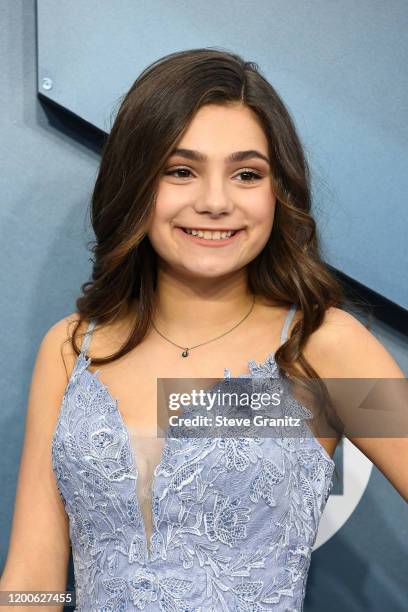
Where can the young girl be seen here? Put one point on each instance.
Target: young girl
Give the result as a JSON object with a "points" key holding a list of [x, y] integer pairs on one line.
{"points": [[206, 265]]}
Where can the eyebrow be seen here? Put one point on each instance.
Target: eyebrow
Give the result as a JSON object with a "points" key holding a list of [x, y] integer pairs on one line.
{"points": [[233, 157]]}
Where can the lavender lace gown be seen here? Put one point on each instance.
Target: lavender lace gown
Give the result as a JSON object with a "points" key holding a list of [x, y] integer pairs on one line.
{"points": [[224, 524]]}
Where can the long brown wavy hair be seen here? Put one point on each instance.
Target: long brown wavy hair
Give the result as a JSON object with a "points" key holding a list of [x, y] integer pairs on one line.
{"points": [[152, 117]]}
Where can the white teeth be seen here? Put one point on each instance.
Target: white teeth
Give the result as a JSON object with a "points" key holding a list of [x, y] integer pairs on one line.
{"points": [[217, 235]]}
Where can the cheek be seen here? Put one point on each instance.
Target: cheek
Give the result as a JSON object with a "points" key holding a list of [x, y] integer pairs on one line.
{"points": [[168, 195], [263, 210], [167, 207]]}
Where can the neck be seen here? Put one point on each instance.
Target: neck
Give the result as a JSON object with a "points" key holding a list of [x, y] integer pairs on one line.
{"points": [[190, 312]]}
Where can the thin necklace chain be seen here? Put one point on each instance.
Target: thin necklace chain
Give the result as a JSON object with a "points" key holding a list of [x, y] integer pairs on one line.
{"points": [[186, 349]]}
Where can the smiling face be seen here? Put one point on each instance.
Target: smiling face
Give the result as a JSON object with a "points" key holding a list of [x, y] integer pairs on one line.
{"points": [[217, 178]]}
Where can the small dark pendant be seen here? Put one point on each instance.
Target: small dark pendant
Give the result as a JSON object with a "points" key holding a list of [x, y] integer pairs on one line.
{"points": [[185, 353]]}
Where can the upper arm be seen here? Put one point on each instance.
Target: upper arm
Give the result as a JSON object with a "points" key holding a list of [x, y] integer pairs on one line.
{"points": [[376, 410], [343, 347], [39, 546]]}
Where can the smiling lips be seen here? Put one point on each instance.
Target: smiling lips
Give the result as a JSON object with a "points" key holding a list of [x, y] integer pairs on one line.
{"points": [[210, 234], [213, 238]]}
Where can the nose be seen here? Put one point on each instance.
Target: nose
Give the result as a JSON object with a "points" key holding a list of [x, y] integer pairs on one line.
{"points": [[214, 200]]}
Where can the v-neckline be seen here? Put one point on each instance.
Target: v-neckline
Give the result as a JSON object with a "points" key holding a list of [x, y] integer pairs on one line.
{"points": [[267, 366], [86, 361]]}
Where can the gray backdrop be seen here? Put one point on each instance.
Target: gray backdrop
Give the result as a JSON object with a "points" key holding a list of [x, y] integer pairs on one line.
{"points": [[350, 115]]}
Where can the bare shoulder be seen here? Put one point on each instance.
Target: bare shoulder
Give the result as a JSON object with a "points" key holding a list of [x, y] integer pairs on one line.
{"points": [[106, 338], [343, 347], [56, 342]]}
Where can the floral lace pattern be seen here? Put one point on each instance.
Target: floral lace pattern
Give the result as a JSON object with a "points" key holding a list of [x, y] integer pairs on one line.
{"points": [[234, 519]]}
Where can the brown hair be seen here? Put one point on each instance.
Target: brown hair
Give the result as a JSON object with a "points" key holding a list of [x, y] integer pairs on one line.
{"points": [[151, 118]]}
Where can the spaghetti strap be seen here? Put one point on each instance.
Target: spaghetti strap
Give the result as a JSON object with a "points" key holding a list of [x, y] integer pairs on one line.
{"points": [[87, 337], [288, 320]]}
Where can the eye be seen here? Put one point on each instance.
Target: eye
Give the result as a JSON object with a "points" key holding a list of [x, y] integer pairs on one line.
{"points": [[254, 176], [172, 172]]}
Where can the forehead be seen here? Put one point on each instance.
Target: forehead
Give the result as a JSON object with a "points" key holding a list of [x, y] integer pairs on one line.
{"points": [[227, 127]]}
